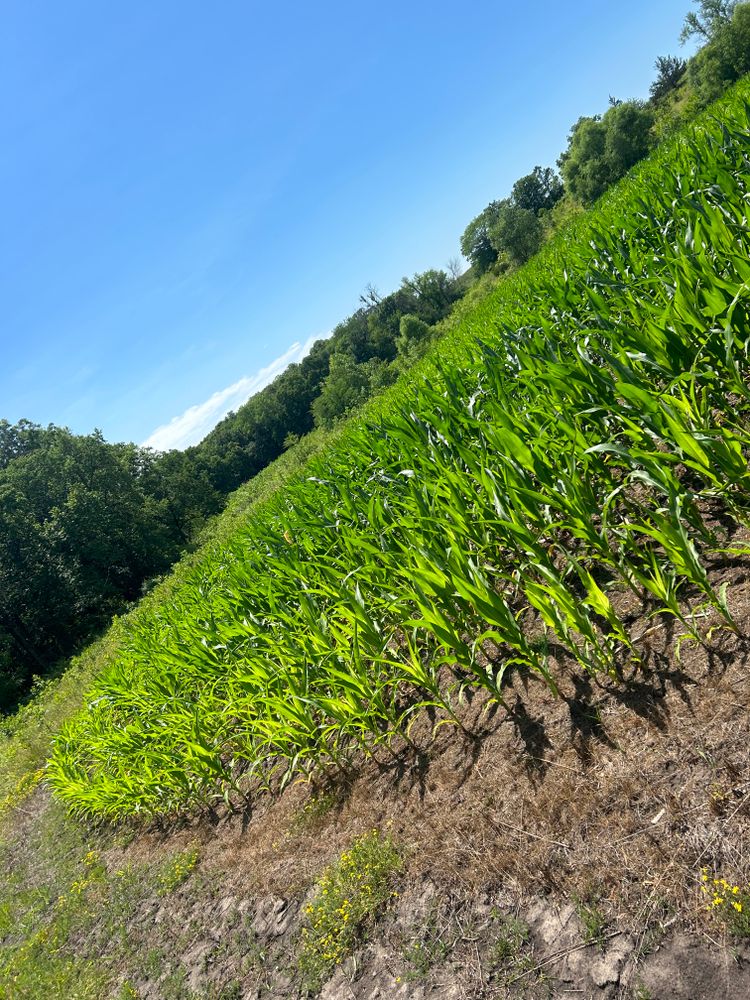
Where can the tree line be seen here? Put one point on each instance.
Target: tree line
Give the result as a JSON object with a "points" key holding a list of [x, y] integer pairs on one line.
{"points": [[85, 525], [602, 148]]}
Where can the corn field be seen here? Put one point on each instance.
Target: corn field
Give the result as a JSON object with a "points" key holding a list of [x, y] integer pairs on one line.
{"points": [[574, 441]]}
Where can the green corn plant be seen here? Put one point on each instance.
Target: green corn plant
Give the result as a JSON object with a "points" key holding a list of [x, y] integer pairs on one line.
{"points": [[567, 440]]}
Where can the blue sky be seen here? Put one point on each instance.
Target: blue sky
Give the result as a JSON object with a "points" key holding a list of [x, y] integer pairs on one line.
{"points": [[193, 193]]}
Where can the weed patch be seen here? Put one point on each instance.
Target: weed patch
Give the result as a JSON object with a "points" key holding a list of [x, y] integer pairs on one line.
{"points": [[512, 938], [729, 903], [348, 899], [592, 917], [314, 812], [177, 870], [425, 950]]}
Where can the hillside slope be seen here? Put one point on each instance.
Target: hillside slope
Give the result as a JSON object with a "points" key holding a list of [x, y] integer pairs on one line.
{"points": [[585, 435], [484, 658], [567, 845]]}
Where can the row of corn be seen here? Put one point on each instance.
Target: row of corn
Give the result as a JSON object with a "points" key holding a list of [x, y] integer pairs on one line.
{"points": [[584, 435]]}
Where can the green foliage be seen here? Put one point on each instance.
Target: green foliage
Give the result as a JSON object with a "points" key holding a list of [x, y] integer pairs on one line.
{"points": [[671, 71], [593, 919], [565, 212], [21, 790], [512, 935], [602, 149], [36, 957], [69, 926], [347, 386], [465, 499], [181, 491], [476, 243], [85, 526], [642, 992], [510, 229], [729, 903], [725, 58], [348, 898], [78, 535], [246, 442], [314, 811], [431, 295], [18, 439], [511, 957], [412, 330], [25, 736], [425, 948], [516, 232], [538, 191], [708, 20], [413, 340]]}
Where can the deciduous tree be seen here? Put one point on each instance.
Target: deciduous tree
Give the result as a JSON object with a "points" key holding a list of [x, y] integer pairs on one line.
{"points": [[476, 245], [708, 19], [516, 232], [602, 149], [724, 58], [538, 191], [670, 72]]}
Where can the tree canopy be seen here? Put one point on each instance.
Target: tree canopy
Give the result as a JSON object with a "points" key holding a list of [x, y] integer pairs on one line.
{"points": [[78, 536], [516, 232], [476, 244], [601, 149], [725, 57], [670, 73], [708, 19], [538, 191]]}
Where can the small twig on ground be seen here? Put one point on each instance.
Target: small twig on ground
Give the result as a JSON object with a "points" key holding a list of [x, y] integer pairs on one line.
{"points": [[553, 763], [528, 833], [479, 963]]}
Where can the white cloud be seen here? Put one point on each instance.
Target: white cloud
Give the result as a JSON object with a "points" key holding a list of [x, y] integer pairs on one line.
{"points": [[193, 425]]}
